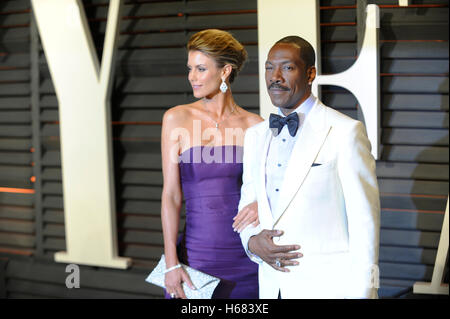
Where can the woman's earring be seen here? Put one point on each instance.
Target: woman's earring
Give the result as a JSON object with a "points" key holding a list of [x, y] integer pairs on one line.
{"points": [[223, 87]]}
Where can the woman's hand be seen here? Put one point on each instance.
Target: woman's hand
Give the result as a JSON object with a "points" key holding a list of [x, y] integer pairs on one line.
{"points": [[248, 215], [173, 282]]}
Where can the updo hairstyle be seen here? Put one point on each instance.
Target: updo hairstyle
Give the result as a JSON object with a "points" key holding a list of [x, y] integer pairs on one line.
{"points": [[222, 47]]}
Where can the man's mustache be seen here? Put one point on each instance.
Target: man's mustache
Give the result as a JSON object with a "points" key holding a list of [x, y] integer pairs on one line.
{"points": [[277, 87]]}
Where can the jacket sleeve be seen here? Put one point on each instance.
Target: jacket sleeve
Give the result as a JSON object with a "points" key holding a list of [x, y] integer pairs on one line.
{"points": [[357, 172], [248, 193]]}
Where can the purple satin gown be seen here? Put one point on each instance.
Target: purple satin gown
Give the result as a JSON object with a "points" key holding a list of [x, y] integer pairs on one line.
{"points": [[211, 186]]}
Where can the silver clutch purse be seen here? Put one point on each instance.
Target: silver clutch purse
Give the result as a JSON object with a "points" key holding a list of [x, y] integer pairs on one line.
{"points": [[204, 283]]}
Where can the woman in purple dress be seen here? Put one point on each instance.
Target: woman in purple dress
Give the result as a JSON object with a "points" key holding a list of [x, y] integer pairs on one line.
{"points": [[201, 148]]}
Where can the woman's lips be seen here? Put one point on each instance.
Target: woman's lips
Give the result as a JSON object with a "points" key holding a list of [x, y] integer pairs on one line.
{"points": [[196, 87]]}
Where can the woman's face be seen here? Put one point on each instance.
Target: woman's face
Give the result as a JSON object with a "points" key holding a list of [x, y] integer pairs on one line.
{"points": [[204, 75]]}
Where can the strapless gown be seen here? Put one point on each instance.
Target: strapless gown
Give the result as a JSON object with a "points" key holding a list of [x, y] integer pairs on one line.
{"points": [[211, 187]]}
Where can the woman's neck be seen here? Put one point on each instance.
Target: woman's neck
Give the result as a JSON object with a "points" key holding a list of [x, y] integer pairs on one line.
{"points": [[220, 104]]}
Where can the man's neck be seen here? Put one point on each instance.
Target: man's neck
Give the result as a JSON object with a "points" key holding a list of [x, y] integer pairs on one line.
{"points": [[287, 111]]}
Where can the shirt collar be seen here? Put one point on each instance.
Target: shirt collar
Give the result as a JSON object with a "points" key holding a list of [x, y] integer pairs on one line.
{"points": [[303, 109]]}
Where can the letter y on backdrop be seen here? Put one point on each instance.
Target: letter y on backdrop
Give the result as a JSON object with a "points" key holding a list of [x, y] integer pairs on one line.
{"points": [[83, 90]]}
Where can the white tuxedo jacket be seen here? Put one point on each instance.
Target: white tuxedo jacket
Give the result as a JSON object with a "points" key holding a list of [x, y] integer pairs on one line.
{"points": [[331, 210]]}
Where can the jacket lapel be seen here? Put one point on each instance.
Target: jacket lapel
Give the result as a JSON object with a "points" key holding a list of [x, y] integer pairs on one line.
{"points": [[305, 151]]}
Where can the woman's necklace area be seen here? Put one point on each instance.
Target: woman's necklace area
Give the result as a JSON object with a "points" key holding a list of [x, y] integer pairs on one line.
{"points": [[218, 123]]}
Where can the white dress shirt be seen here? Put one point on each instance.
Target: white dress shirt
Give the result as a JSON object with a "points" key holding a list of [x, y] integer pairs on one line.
{"points": [[278, 155]]}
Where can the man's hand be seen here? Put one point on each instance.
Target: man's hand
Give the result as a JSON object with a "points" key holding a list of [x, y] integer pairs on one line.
{"points": [[276, 256], [248, 215]]}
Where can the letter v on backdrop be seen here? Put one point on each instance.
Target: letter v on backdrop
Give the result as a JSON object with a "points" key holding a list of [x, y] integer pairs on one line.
{"points": [[83, 90], [277, 19]]}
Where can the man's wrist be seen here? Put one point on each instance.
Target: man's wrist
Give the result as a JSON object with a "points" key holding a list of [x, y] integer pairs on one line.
{"points": [[250, 240]]}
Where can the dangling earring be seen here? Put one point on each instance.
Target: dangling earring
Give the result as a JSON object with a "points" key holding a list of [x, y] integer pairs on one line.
{"points": [[223, 87]]}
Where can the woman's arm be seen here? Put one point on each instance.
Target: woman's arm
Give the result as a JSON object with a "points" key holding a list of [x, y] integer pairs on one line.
{"points": [[171, 201]]}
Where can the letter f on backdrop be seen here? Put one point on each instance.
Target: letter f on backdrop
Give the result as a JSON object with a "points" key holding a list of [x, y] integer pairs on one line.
{"points": [[83, 90], [280, 18]]}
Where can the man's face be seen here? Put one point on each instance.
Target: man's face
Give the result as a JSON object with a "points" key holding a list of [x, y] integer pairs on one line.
{"points": [[287, 78]]}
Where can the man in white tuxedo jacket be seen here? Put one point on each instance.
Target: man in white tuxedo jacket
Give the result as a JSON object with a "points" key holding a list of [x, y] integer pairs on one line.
{"points": [[315, 183]]}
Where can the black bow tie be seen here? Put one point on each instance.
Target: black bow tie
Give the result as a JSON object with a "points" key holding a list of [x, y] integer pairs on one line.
{"points": [[276, 121]]}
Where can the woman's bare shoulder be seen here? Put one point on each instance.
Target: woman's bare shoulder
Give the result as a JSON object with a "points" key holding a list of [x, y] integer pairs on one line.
{"points": [[178, 113]]}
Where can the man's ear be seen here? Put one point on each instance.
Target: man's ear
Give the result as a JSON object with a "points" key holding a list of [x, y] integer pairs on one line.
{"points": [[311, 72], [226, 71]]}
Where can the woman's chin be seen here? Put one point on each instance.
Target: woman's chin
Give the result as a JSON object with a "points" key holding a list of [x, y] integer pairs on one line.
{"points": [[198, 95], [203, 94]]}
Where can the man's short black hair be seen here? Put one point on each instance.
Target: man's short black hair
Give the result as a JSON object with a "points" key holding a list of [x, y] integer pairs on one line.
{"points": [[307, 53]]}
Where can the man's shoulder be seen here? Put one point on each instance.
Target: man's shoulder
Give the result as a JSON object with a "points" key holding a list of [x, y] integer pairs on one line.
{"points": [[338, 119], [258, 128]]}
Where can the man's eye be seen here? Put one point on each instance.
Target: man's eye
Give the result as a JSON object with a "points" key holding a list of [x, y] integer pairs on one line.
{"points": [[289, 68], [269, 68]]}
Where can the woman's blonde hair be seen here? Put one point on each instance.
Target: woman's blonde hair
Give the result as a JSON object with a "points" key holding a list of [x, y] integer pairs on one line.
{"points": [[220, 46]]}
